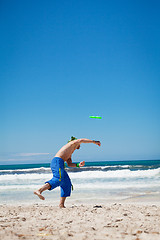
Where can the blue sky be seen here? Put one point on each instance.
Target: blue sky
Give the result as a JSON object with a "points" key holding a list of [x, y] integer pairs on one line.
{"points": [[62, 61]]}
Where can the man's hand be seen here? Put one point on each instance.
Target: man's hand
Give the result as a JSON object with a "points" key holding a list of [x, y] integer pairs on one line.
{"points": [[98, 143], [81, 164]]}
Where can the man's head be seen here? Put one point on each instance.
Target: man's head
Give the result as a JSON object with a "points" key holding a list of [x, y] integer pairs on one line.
{"points": [[72, 139]]}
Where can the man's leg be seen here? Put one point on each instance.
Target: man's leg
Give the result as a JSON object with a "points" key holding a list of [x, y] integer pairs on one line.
{"points": [[42, 189], [62, 200], [65, 190]]}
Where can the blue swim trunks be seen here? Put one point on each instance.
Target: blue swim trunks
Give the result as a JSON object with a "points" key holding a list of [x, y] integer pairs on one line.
{"points": [[60, 177]]}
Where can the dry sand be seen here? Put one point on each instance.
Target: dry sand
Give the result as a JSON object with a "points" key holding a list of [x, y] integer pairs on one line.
{"points": [[82, 222]]}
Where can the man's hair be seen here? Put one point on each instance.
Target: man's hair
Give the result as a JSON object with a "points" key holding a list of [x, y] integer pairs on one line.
{"points": [[72, 138]]}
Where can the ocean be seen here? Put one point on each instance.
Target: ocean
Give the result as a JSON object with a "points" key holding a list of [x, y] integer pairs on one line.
{"points": [[100, 181]]}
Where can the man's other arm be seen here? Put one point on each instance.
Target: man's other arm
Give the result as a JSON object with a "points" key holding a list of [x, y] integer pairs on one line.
{"points": [[70, 164]]}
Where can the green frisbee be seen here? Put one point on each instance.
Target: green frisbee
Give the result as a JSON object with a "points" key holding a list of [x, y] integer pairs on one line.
{"points": [[97, 117]]}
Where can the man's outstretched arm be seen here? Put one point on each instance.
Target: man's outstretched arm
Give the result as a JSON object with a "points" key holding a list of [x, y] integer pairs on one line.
{"points": [[85, 140]]}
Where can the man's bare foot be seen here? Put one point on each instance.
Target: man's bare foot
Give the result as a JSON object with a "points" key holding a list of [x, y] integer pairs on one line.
{"points": [[39, 194], [61, 206]]}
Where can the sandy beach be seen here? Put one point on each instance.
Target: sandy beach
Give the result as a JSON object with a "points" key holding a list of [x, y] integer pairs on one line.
{"points": [[138, 221]]}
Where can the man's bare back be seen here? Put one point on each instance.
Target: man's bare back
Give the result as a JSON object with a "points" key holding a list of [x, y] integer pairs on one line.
{"points": [[66, 151]]}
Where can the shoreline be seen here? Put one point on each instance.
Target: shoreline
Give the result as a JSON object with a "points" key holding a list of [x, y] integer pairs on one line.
{"points": [[97, 221], [82, 199]]}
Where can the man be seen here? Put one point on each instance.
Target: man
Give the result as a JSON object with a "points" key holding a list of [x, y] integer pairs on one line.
{"points": [[60, 176]]}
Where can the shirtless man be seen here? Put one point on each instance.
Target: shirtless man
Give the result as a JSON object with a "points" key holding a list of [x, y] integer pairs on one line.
{"points": [[60, 176]]}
